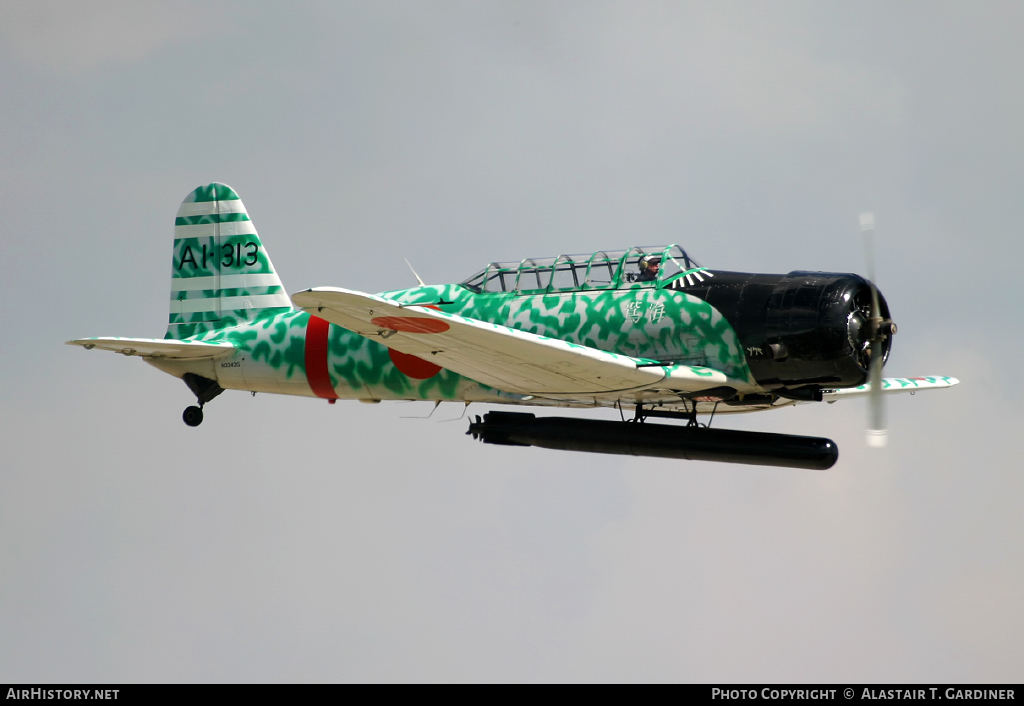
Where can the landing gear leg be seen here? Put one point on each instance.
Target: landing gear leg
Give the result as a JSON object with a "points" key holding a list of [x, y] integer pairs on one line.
{"points": [[693, 417], [639, 415], [205, 390]]}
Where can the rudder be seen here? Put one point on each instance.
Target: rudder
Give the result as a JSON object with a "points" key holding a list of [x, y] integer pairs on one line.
{"points": [[221, 274]]}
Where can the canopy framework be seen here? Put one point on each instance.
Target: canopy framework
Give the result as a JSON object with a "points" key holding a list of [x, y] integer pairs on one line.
{"points": [[618, 269]]}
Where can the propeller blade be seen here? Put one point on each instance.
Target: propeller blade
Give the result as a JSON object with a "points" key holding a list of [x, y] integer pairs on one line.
{"points": [[877, 434], [867, 227]]}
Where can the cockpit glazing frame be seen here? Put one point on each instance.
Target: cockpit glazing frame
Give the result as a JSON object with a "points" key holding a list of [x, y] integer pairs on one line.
{"points": [[600, 270]]}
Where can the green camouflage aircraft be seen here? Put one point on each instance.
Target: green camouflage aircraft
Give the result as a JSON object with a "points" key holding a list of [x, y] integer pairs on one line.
{"points": [[646, 330]]}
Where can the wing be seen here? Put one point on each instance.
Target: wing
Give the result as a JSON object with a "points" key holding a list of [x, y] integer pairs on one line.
{"points": [[498, 356], [155, 347], [892, 386]]}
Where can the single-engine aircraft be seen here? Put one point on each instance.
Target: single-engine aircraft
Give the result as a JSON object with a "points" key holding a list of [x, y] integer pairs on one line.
{"points": [[645, 330]]}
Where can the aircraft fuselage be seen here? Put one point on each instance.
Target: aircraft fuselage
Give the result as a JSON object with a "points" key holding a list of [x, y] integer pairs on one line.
{"points": [[787, 335]]}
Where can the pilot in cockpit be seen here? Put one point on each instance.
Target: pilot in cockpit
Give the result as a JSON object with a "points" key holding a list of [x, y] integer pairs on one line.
{"points": [[649, 266]]}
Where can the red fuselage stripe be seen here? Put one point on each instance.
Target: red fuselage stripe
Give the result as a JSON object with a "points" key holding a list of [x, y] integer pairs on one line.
{"points": [[316, 358]]}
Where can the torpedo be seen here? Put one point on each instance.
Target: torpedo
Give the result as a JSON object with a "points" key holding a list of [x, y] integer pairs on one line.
{"points": [[658, 440]]}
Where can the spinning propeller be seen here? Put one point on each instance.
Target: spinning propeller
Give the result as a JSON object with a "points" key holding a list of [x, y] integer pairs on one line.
{"points": [[876, 336]]}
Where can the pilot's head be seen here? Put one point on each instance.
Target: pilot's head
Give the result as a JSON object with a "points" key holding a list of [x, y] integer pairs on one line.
{"points": [[650, 263]]}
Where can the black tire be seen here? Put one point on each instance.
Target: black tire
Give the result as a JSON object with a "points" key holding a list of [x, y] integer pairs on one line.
{"points": [[193, 416]]}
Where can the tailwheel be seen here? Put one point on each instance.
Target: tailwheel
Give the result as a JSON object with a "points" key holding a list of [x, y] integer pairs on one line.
{"points": [[193, 416], [205, 390]]}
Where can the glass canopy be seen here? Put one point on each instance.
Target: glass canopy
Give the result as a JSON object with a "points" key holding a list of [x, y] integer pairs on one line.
{"points": [[646, 266]]}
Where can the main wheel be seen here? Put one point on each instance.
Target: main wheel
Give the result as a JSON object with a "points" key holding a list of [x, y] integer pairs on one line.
{"points": [[193, 416]]}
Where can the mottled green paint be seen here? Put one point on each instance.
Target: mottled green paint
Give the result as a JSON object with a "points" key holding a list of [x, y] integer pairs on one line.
{"points": [[655, 323], [645, 321]]}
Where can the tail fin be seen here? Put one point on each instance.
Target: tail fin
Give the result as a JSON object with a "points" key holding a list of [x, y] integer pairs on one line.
{"points": [[221, 274]]}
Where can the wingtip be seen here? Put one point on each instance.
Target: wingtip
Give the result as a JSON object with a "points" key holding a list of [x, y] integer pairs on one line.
{"points": [[297, 298]]}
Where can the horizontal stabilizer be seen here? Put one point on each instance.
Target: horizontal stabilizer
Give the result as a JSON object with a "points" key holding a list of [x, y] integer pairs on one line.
{"points": [[156, 347], [500, 357], [892, 386]]}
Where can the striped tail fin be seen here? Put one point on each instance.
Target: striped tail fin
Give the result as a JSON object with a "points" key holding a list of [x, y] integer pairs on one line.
{"points": [[221, 274]]}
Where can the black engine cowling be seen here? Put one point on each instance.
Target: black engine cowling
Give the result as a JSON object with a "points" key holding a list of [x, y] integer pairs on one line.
{"points": [[800, 332]]}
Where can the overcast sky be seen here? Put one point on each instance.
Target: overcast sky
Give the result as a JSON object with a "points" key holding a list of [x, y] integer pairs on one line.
{"points": [[289, 540]]}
